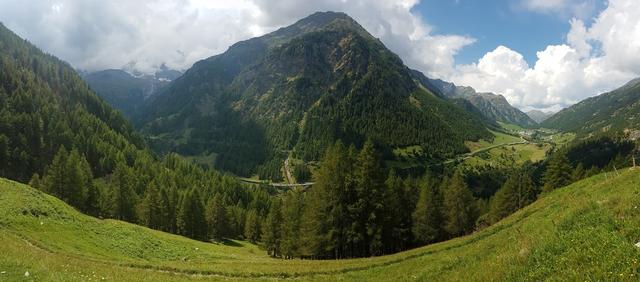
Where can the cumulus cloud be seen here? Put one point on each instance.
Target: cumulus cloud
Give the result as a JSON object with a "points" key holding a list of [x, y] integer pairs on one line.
{"points": [[98, 34], [599, 54], [596, 58]]}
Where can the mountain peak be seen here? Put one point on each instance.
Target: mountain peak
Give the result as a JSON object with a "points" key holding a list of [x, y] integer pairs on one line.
{"points": [[317, 21]]}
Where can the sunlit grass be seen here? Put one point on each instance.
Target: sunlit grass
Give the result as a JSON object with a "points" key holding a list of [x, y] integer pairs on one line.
{"points": [[585, 231]]}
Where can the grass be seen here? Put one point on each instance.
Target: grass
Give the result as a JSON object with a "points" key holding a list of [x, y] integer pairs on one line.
{"points": [[500, 138], [509, 156], [585, 231]]}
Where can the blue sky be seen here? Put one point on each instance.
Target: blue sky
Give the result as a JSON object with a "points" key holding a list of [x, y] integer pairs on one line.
{"points": [[500, 22], [539, 54]]}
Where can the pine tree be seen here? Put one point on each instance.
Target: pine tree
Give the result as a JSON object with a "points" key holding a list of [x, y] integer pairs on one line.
{"points": [[216, 217], [516, 193], [190, 219], [370, 190], [397, 217], [558, 173], [150, 208], [55, 179], [427, 217], [292, 208], [326, 213], [124, 196], [4, 154], [459, 206], [271, 232], [252, 226], [578, 173], [78, 178]]}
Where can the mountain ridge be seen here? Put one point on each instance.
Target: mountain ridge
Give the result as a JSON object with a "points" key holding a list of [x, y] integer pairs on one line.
{"points": [[493, 106], [299, 89], [614, 111]]}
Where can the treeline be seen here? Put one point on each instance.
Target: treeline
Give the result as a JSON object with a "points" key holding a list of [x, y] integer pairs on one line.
{"points": [[57, 133], [357, 208], [171, 195]]}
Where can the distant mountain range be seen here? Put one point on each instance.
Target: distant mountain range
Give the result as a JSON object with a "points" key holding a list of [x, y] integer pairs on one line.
{"points": [[299, 89], [539, 116], [129, 92], [493, 106], [615, 111]]}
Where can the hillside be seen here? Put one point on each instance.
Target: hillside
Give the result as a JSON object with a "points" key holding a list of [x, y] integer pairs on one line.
{"points": [[539, 116], [44, 104], [614, 111], [127, 92], [492, 106], [297, 90], [587, 229]]}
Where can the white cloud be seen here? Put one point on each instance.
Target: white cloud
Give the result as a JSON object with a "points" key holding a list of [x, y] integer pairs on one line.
{"points": [[595, 59], [98, 34]]}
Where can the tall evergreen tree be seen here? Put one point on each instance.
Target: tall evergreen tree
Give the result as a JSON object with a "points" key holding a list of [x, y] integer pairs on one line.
{"points": [[190, 219], [369, 183], [55, 179], [516, 193], [216, 217], [78, 179], [252, 226], [427, 217], [271, 231], [124, 196], [558, 173], [292, 208], [150, 209], [459, 206]]}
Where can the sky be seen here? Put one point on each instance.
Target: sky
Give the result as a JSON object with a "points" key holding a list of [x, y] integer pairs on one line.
{"points": [[539, 54]]}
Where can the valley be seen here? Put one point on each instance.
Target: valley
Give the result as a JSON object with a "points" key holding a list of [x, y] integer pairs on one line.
{"points": [[312, 147]]}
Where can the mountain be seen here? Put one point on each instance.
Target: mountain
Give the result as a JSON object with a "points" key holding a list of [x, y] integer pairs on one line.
{"points": [[614, 111], [297, 90], [59, 136], [45, 104], [128, 92], [539, 116], [589, 228], [492, 106]]}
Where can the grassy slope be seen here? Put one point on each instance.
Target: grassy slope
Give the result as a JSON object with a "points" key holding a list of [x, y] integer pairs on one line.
{"points": [[585, 231], [509, 156], [500, 138]]}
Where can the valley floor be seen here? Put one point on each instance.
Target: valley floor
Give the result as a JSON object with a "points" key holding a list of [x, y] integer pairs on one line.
{"points": [[585, 231]]}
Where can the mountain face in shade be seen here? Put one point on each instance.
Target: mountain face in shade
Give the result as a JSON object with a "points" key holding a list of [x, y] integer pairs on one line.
{"points": [[614, 111], [127, 92], [297, 90], [493, 106], [539, 116]]}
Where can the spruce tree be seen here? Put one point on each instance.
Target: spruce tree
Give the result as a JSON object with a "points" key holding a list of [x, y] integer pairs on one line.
{"points": [[459, 206], [190, 220], [150, 208], [427, 217], [516, 193], [216, 217], [124, 196], [252, 226], [271, 231], [292, 208], [370, 190], [55, 179], [558, 173], [578, 173]]}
